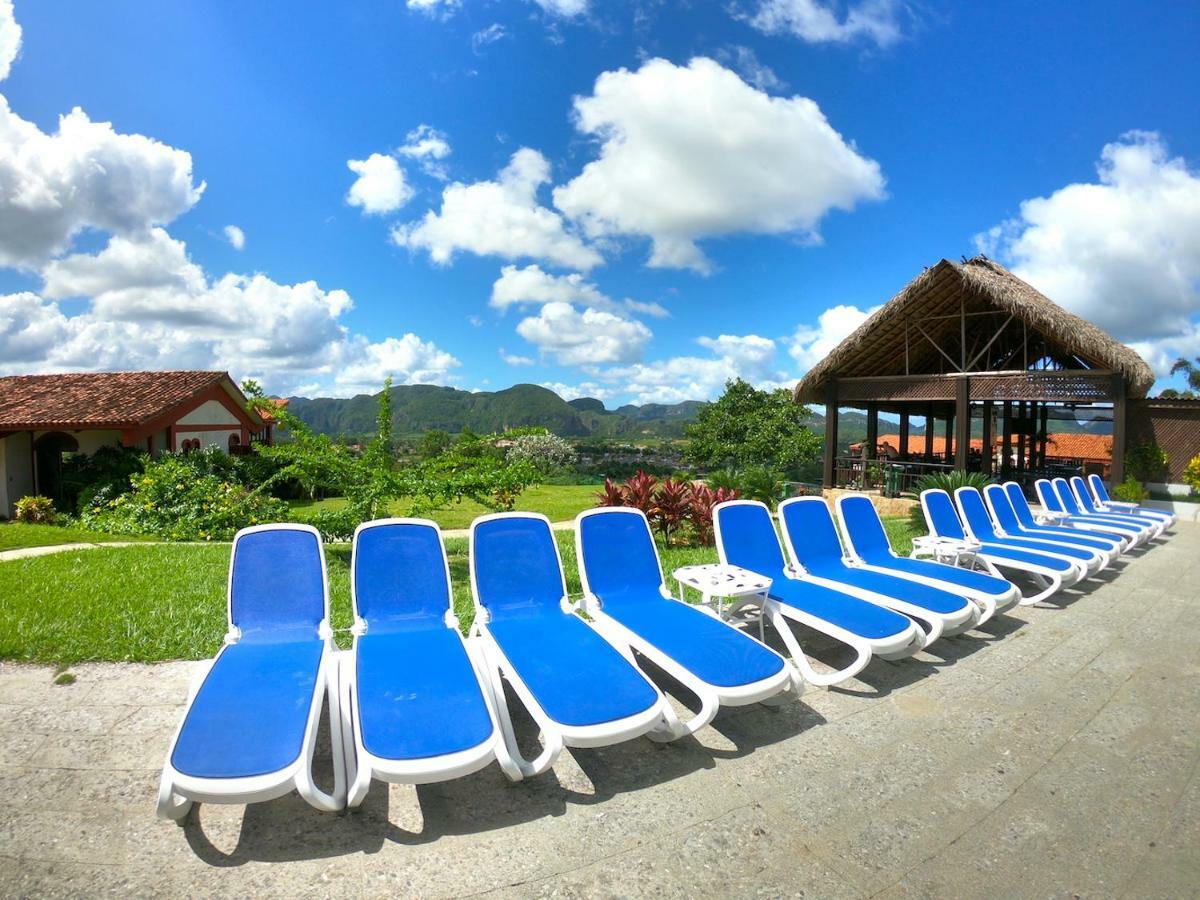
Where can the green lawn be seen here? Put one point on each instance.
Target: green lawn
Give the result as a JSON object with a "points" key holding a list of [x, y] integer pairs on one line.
{"points": [[15, 535], [167, 601], [559, 502]]}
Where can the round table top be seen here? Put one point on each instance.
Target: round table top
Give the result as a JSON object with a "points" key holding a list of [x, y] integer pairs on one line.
{"points": [[722, 579]]}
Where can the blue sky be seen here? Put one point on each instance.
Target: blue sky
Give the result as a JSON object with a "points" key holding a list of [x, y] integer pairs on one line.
{"points": [[631, 200]]}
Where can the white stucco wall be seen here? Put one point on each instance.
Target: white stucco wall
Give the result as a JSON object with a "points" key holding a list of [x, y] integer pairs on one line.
{"points": [[17, 471], [208, 438], [89, 441], [210, 412]]}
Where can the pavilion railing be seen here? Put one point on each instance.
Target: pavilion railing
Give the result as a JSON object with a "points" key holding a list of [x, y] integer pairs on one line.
{"points": [[888, 475]]}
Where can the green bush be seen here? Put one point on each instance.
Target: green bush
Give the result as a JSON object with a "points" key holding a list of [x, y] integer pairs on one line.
{"points": [[336, 524], [1191, 474], [548, 453], [948, 482], [753, 483], [1147, 462], [172, 500], [35, 510], [1130, 491], [108, 470]]}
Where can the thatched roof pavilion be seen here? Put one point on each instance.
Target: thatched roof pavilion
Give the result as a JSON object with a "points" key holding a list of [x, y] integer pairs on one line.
{"points": [[971, 338]]}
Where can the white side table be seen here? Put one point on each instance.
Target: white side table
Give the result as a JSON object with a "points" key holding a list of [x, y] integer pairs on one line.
{"points": [[944, 550], [717, 582]]}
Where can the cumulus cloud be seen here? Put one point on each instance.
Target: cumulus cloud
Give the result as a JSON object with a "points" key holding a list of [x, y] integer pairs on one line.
{"points": [[491, 34], [811, 344], [380, 186], [434, 7], [747, 64], [499, 218], [583, 389], [428, 147], [679, 378], [691, 152], [84, 175], [360, 365], [532, 286], [10, 38], [514, 360], [590, 337], [1123, 252], [818, 23], [567, 8], [235, 236]]}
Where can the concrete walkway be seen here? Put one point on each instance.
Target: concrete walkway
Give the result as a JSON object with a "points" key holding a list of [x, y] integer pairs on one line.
{"points": [[1055, 754]]}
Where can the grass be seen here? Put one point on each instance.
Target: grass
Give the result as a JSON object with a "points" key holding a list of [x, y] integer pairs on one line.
{"points": [[167, 601], [16, 535], [559, 502]]}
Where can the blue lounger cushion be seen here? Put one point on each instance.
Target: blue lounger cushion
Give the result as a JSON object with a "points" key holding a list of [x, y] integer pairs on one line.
{"points": [[250, 714], [711, 650], [418, 696], [922, 595], [965, 578], [1033, 558], [856, 616], [576, 676]]}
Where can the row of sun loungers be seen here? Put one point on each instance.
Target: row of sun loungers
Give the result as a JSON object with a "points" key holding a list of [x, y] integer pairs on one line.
{"points": [[412, 701]]}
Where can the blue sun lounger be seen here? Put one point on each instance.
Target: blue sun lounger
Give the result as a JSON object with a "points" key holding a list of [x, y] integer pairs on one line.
{"points": [[1029, 521], [250, 727], [813, 546], [746, 538], [1007, 524], [416, 708], [1100, 492], [579, 689], [867, 546], [978, 524], [1083, 497], [1056, 497], [626, 599]]}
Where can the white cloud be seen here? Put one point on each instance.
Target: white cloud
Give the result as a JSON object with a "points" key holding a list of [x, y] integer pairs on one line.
{"points": [[591, 337], [491, 34], [235, 236], [753, 70], [811, 344], [693, 152], [514, 360], [567, 8], [380, 186], [818, 23], [583, 389], [532, 286], [85, 175], [435, 7], [499, 218], [428, 147], [696, 377], [10, 38], [361, 365], [1123, 253]]}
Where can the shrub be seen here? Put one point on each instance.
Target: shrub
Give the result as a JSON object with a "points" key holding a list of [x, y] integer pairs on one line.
{"points": [[700, 513], [639, 492], [336, 524], [108, 470], [34, 510], [1191, 474], [547, 453], [169, 499], [612, 494], [1147, 462], [672, 500], [948, 482], [1130, 491], [670, 504]]}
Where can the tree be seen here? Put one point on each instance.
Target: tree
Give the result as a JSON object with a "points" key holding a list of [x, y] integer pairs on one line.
{"points": [[380, 453], [1190, 370], [748, 427], [548, 453], [434, 442]]}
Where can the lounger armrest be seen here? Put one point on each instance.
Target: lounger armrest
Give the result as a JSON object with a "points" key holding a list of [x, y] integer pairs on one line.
{"points": [[1118, 504], [1046, 516]]}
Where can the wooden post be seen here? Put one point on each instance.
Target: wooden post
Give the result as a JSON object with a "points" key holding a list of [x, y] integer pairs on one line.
{"points": [[962, 421], [1120, 425], [949, 436], [831, 433], [988, 449], [1021, 438], [903, 448], [1043, 419], [1006, 440], [929, 427], [872, 430]]}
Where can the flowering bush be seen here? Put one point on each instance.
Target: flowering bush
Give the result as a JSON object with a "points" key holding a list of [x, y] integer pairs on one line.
{"points": [[548, 453], [172, 500], [700, 510], [35, 510], [1191, 474]]}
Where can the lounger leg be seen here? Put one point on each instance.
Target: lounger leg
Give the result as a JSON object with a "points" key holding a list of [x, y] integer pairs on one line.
{"points": [[305, 785], [171, 805], [358, 774], [673, 727], [508, 765], [552, 743], [987, 606], [793, 691], [1050, 585], [862, 651]]}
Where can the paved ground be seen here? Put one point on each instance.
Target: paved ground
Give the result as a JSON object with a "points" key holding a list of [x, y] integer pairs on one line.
{"points": [[1054, 755]]}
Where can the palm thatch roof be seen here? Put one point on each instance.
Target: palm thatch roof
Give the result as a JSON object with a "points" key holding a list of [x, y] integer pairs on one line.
{"points": [[994, 300]]}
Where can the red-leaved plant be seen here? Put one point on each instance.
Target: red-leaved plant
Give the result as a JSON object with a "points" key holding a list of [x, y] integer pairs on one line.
{"points": [[700, 510], [668, 504], [672, 502], [613, 494], [639, 492]]}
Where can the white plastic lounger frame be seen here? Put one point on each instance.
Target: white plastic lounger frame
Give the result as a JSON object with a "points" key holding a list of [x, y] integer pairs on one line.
{"points": [[1104, 501], [1079, 489], [1058, 519], [712, 696], [362, 765], [992, 491], [177, 791], [989, 604], [900, 646], [1052, 503], [937, 624], [657, 722]]}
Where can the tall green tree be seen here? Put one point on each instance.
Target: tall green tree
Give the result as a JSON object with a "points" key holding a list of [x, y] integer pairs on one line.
{"points": [[1191, 371], [381, 452], [746, 426]]}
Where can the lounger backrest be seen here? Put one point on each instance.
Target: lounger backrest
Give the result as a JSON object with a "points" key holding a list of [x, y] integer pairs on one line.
{"points": [[1048, 495], [941, 516], [1082, 494], [746, 538], [398, 576], [617, 557], [1020, 505], [1002, 507], [1099, 488], [277, 585], [810, 531], [514, 565], [863, 528], [975, 514], [1065, 497]]}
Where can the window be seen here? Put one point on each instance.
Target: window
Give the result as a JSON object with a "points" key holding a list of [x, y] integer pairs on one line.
{"points": [[235, 443]]}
